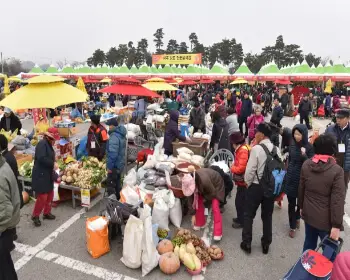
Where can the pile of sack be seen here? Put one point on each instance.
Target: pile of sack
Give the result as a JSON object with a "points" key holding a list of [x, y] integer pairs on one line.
{"points": [[133, 130]]}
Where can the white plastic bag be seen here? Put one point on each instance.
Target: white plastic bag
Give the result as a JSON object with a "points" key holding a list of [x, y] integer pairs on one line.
{"points": [[198, 160], [56, 196], [150, 256], [131, 196], [185, 156], [98, 224], [130, 178], [222, 165], [150, 163], [185, 150], [132, 244], [176, 213], [153, 106], [160, 214], [131, 135]]}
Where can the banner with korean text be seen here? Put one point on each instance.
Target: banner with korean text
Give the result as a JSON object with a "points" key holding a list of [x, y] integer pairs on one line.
{"points": [[188, 58]]}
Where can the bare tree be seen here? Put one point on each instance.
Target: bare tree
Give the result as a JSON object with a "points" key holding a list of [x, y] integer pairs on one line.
{"points": [[60, 64]]}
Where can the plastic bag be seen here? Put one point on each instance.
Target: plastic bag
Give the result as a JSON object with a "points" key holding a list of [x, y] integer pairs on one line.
{"points": [[150, 163], [150, 256], [185, 150], [130, 178], [131, 135], [198, 160], [160, 214], [185, 156], [222, 165], [97, 242], [176, 213], [132, 244], [130, 195], [56, 196]]}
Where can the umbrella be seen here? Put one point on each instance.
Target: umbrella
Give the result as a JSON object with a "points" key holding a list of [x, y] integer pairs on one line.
{"points": [[43, 95], [128, 80], [127, 87], [106, 80], [80, 85], [156, 84], [187, 83], [239, 81], [171, 81], [2, 75], [14, 79], [90, 81], [206, 81], [347, 85], [298, 90], [6, 90], [44, 80], [283, 82]]}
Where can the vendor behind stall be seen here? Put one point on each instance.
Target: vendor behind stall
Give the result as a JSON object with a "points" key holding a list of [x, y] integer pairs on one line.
{"points": [[172, 133], [10, 122], [97, 138]]}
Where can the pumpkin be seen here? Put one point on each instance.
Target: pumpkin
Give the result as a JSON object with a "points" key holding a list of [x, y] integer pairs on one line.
{"points": [[165, 246], [25, 196], [169, 263]]}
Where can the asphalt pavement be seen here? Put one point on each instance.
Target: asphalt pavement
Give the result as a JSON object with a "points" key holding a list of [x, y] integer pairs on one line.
{"points": [[57, 249]]}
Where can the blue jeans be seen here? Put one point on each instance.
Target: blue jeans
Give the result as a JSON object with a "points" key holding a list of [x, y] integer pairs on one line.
{"points": [[311, 237]]}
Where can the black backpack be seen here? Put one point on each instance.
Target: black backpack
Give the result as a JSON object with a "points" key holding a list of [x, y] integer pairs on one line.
{"points": [[273, 177]]}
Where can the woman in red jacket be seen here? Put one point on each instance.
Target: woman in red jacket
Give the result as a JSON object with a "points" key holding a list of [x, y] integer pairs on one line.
{"points": [[238, 169]]}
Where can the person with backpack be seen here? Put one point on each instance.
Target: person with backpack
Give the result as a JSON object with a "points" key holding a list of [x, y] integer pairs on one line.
{"points": [[263, 176], [241, 151], [97, 138], [299, 151]]}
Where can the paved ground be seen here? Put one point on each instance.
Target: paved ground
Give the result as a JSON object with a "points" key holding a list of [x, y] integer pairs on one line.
{"points": [[57, 249]]}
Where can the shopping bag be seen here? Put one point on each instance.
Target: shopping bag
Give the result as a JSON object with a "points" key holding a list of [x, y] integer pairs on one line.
{"points": [[97, 241]]}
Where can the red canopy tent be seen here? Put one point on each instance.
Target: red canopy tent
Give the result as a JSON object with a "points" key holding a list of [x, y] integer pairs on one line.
{"points": [[347, 85], [206, 81], [298, 93], [283, 82], [129, 86], [188, 83]]}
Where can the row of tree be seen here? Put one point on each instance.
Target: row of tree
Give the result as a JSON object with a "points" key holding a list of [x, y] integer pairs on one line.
{"points": [[228, 52]]}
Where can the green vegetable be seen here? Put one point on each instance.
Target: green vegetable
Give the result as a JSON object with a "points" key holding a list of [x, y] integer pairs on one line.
{"points": [[162, 233], [178, 241]]}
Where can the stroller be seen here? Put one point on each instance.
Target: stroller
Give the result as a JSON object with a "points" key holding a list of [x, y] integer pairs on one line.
{"points": [[312, 265]]}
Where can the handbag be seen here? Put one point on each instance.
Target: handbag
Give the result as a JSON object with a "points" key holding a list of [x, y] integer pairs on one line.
{"points": [[216, 145], [238, 177]]}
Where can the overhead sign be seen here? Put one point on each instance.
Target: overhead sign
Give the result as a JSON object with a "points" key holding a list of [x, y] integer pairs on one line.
{"points": [[188, 58]]}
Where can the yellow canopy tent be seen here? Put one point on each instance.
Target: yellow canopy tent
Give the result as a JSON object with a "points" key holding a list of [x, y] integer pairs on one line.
{"points": [[80, 85], [106, 80], [14, 79], [157, 84], [239, 81], [6, 90]]}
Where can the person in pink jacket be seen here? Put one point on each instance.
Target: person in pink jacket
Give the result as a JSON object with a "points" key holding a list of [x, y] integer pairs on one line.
{"points": [[341, 267], [253, 121]]}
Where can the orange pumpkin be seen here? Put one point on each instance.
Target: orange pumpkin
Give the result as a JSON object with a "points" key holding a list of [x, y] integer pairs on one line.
{"points": [[25, 196], [169, 263], [165, 246]]}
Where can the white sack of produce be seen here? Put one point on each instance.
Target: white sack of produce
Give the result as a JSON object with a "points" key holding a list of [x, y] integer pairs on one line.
{"points": [[206, 136], [198, 160], [98, 224], [185, 156], [222, 165], [141, 174], [198, 135], [176, 213], [150, 163], [133, 127], [153, 106], [166, 195], [158, 118], [131, 135], [185, 150], [150, 256], [132, 244], [130, 178], [160, 214], [149, 119], [131, 196]]}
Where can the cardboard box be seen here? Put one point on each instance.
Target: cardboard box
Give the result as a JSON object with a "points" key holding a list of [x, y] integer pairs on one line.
{"points": [[67, 132], [22, 158]]}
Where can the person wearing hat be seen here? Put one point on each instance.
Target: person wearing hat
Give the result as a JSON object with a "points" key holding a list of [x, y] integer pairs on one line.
{"points": [[305, 110], [255, 192], [197, 120], [97, 138], [241, 151], [341, 131], [43, 178], [116, 154], [10, 122]]}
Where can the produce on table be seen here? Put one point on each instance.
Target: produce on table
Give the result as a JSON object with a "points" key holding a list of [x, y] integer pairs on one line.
{"points": [[215, 252], [165, 246], [182, 252], [188, 261], [177, 251], [178, 241], [9, 135], [26, 169], [162, 233], [190, 248], [169, 263], [203, 254]]}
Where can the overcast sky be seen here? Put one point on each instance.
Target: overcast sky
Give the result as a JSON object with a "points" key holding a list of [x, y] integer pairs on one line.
{"points": [[48, 31]]}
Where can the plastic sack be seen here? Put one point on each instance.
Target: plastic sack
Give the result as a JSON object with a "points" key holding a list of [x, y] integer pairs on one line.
{"points": [[198, 160], [150, 256], [153, 106], [97, 242], [160, 214], [130, 195], [185, 150], [130, 178], [185, 156], [131, 135], [155, 234], [56, 196], [176, 213], [150, 163], [222, 165], [132, 244]]}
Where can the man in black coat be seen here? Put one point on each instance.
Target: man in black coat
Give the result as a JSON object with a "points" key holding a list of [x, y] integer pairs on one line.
{"points": [[304, 110], [10, 122], [197, 118], [246, 111], [277, 112]]}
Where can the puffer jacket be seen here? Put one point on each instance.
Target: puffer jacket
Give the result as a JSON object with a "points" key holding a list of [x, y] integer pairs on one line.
{"points": [[172, 132], [341, 267], [220, 135], [9, 197], [253, 122], [296, 160], [342, 136], [240, 163], [210, 184], [116, 148], [322, 194]]}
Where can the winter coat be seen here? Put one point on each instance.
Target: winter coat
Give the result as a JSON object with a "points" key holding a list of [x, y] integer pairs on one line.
{"points": [[43, 170], [253, 121], [247, 108], [232, 122], [296, 160], [277, 115], [99, 137], [208, 98], [197, 118], [172, 133], [287, 139], [227, 180], [304, 107], [239, 108], [210, 184], [336, 103], [15, 123], [322, 194], [240, 163], [342, 136], [9, 198], [284, 100], [233, 99], [341, 267], [328, 101], [220, 135], [111, 100], [116, 147]]}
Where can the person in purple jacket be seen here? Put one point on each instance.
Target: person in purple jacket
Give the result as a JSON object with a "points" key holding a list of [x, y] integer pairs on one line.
{"points": [[172, 133]]}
